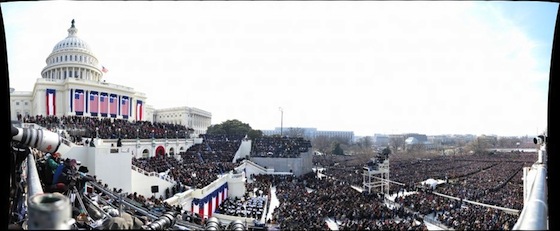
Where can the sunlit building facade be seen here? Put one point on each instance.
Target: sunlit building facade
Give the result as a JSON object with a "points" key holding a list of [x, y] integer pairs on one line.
{"points": [[310, 133], [197, 119], [72, 84]]}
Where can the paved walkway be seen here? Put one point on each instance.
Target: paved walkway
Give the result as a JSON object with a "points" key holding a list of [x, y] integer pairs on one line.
{"points": [[274, 202]]}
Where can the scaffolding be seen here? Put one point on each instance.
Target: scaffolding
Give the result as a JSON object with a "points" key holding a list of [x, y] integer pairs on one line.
{"points": [[376, 176]]}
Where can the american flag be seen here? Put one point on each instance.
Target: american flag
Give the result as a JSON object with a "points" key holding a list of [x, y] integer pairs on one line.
{"points": [[125, 106], [79, 101], [113, 105], [103, 104], [139, 110], [105, 70], [93, 101], [51, 99]]}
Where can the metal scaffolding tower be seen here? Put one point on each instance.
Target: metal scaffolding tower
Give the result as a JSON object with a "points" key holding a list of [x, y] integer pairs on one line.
{"points": [[376, 175]]}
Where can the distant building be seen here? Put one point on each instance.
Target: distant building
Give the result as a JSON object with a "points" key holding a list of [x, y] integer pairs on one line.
{"points": [[310, 133], [411, 141], [191, 117], [419, 137], [381, 140]]}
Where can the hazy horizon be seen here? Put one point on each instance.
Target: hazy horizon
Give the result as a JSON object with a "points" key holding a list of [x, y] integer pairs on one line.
{"points": [[363, 66]]}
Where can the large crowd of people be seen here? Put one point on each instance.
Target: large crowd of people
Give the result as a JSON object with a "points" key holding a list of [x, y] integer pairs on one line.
{"points": [[199, 165], [276, 146], [307, 201], [248, 206], [79, 127], [494, 179], [252, 204]]}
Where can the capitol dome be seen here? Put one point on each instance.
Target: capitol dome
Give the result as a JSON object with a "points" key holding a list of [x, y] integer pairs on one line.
{"points": [[72, 58], [72, 42]]}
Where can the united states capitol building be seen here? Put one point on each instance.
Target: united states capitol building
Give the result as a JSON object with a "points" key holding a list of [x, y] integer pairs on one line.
{"points": [[72, 84]]}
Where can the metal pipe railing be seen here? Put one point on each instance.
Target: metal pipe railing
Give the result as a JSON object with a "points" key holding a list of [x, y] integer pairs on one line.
{"points": [[534, 215], [46, 211], [33, 181], [127, 202]]}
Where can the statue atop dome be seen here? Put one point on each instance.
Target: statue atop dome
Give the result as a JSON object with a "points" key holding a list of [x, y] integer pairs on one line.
{"points": [[72, 31]]}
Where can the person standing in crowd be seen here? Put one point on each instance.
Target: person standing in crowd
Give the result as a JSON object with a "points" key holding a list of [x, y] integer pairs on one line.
{"points": [[53, 161]]}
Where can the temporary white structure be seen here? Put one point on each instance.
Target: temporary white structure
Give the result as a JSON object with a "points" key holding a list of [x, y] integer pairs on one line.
{"points": [[430, 182]]}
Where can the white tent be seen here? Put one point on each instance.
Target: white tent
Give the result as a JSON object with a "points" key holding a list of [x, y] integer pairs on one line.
{"points": [[430, 182]]}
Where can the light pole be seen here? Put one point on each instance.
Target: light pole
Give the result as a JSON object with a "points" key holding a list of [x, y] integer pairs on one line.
{"points": [[281, 120]]}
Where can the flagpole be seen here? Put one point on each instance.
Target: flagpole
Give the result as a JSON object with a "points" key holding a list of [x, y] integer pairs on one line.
{"points": [[281, 120]]}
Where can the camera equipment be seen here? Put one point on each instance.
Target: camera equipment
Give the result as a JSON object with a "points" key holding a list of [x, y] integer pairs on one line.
{"points": [[213, 224], [44, 210], [539, 140], [49, 211], [236, 225], [165, 221], [43, 140]]}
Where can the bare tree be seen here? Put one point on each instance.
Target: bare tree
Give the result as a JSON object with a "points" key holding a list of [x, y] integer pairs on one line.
{"points": [[321, 143], [396, 142], [415, 147], [340, 140], [508, 142], [365, 142], [480, 145]]}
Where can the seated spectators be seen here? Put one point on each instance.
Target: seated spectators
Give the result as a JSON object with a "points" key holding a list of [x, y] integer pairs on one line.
{"points": [[275, 146]]}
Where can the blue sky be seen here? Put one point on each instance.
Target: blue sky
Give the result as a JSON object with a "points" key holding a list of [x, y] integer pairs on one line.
{"points": [[536, 20], [452, 67]]}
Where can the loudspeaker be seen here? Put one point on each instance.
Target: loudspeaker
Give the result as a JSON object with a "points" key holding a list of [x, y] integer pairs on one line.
{"points": [[155, 189]]}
